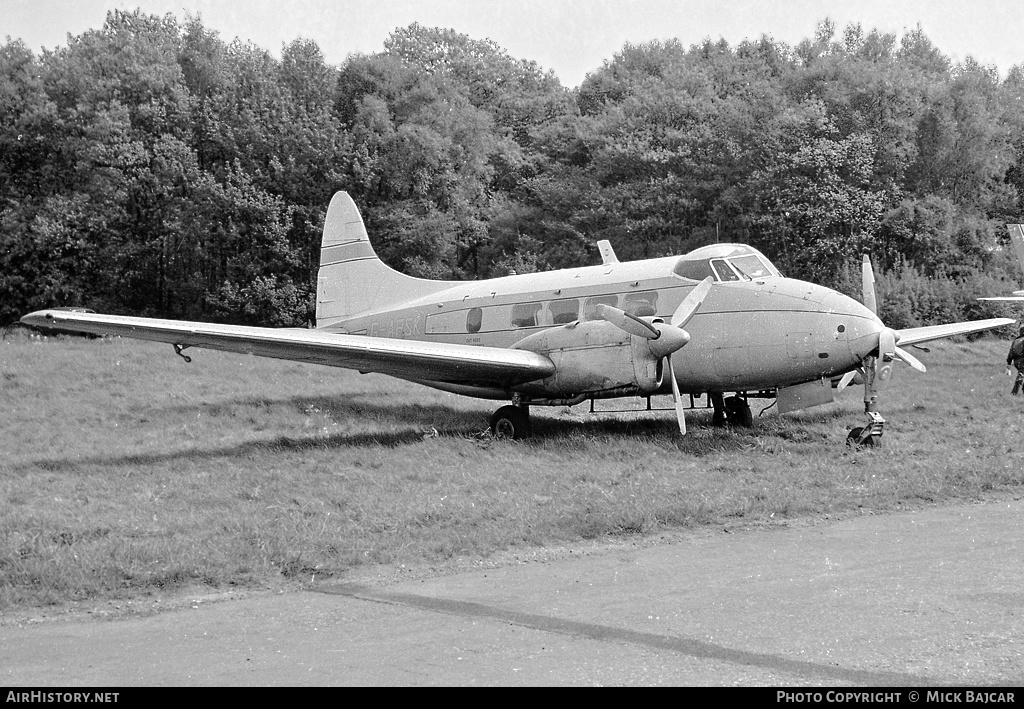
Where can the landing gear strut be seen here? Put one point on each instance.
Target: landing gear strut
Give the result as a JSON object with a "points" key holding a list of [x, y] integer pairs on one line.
{"points": [[733, 410], [870, 436], [719, 418], [511, 422], [737, 411]]}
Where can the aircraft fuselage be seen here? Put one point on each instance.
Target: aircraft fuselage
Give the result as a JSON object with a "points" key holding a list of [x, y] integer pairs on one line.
{"points": [[753, 334]]}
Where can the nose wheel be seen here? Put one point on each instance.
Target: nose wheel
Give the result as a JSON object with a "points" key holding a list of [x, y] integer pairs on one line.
{"points": [[869, 436]]}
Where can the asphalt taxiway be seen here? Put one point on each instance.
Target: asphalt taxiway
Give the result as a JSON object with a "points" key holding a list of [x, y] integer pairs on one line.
{"points": [[909, 599]]}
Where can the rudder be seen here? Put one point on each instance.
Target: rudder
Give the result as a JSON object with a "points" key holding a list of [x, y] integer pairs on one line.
{"points": [[352, 279]]}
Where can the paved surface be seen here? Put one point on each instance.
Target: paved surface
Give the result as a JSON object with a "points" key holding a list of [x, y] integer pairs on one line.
{"points": [[909, 599]]}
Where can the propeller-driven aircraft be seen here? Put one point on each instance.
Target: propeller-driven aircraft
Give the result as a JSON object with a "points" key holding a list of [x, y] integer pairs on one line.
{"points": [[720, 321], [1017, 239]]}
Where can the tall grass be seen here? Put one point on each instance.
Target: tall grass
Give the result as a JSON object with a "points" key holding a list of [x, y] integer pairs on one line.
{"points": [[124, 470]]}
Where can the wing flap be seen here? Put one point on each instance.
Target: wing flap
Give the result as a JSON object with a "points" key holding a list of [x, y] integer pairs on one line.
{"points": [[437, 361], [913, 335]]}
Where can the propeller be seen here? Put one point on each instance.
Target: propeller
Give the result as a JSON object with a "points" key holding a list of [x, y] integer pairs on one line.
{"points": [[666, 338], [878, 368], [910, 359], [630, 323], [848, 378], [867, 285], [686, 310]]}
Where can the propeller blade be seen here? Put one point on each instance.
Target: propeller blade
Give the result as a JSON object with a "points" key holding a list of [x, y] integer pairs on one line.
{"points": [[691, 302], [867, 285], [630, 323], [846, 380], [910, 359], [886, 355], [677, 397]]}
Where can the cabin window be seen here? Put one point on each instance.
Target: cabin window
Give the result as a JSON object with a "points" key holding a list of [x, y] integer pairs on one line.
{"points": [[525, 314], [564, 311], [643, 304], [723, 271], [474, 319], [694, 270], [590, 309]]}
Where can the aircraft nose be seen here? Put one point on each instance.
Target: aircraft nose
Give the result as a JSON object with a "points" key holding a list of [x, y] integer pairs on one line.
{"points": [[855, 323]]}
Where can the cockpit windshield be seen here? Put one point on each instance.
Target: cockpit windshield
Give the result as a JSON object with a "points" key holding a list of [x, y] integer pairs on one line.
{"points": [[725, 263], [750, 267]]}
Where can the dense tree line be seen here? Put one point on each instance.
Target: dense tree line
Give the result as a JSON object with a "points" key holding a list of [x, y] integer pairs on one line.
{"points": [[151, 168]]}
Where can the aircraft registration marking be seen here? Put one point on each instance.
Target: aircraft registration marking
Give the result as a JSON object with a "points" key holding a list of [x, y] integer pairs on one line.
{"points": [[400, 327]]}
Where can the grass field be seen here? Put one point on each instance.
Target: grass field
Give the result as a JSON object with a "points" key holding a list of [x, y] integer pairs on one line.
{"points": [[125, 471]]}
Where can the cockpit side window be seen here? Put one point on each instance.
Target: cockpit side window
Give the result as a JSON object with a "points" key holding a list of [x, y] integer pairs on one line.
{"points": [[696, 270], [722, 270]]}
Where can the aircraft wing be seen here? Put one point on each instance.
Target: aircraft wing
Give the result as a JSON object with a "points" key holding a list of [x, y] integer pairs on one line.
{"points": [[913, 335], [1014, 298], [436, 361]]}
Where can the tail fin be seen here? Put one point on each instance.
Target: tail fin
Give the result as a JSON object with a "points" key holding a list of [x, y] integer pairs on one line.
{"points": [[352, 279], [1017, 239]]}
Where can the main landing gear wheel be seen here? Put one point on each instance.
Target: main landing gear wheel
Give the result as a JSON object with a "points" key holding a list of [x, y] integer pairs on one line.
{"points": [[737, 412], [511, 422]]}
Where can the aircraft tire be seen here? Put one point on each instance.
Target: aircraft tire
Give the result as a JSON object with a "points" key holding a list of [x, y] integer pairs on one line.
{"points": [[511, 422], [854, 435]]}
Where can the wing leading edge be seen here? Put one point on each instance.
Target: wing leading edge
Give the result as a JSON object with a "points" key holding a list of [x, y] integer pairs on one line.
{"points": [[408, 359]]}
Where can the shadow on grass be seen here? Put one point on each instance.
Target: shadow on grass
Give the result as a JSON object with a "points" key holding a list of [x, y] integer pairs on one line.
{"points": [[355, 407], [250, 448], [409, 424]]}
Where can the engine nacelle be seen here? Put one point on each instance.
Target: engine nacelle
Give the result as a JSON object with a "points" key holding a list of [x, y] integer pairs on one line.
{"points": [[592, 357]]}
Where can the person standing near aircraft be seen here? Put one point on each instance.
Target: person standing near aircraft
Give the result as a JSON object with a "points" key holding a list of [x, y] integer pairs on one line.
{"points": [[1016, 358]]}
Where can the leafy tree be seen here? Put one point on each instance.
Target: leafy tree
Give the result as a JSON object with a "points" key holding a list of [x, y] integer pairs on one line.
{"points": [[149, 167]]}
